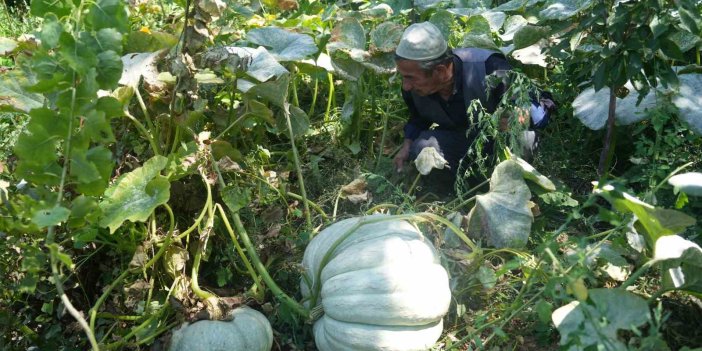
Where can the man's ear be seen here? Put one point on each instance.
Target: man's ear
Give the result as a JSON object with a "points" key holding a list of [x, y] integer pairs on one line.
{"points": [[445, 71]]}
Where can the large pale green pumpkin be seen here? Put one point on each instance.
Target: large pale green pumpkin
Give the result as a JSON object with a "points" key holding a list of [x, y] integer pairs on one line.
{"points": [[383, 287], [249, 330]]}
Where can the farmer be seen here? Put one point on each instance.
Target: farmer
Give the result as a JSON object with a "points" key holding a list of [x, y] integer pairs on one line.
{"points": [[438, 85]]}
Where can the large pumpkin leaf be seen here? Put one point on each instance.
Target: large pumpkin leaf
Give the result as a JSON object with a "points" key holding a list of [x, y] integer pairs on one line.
{"points": [[591, 107], [496, 19], [275, 92], [385, 37], [689, 101], [656, 222], [530, 173], [283, 45], [347, 34], [681, 263], [531, 55], [684, 40], [502, 216], [108, 14], [597, 322], [13, 96], [564, 9], [299, 121], [689, 183], [443, 20], [135, 66], [264, 66], [135, 195], [529, 35], [479, 41], [512, 25]]}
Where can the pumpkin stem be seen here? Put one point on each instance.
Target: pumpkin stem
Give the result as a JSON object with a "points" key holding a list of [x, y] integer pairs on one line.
{"points": [[277, 291]]}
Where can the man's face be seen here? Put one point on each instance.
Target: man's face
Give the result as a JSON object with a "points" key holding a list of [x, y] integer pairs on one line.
{"points": [[416, 80]]}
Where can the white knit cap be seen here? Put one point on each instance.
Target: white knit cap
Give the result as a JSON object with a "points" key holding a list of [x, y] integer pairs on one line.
{"points": [[421, 42]]}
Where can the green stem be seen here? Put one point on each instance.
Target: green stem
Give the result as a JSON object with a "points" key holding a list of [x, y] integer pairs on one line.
{"points": [[310, 113], [313, 204], [330, 98], [414, 183], [51, 234], [239, 250], [147, 116], [144, 132], [384, 122], [298, 167], [293, 79], [638, 273], [194, 284], [137, 329], [277, 291]]}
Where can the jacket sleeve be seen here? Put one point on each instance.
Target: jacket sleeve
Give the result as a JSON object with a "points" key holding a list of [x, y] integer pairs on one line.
{"points": [[415, 124]]}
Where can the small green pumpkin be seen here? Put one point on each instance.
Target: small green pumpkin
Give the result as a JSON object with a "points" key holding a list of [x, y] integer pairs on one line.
{"points": [[381, 286], [249, 330]]}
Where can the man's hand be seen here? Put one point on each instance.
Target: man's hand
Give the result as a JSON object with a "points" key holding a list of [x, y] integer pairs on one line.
{"points": [[402, 155]]}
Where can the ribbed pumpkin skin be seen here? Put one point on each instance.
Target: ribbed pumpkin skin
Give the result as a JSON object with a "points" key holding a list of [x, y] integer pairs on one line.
{"points": [[383, 289], [248, 331]]}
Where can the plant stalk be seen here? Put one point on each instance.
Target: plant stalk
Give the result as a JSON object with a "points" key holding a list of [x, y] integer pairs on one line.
{"points": [[605, 155], [298, 167], [277, 291]]}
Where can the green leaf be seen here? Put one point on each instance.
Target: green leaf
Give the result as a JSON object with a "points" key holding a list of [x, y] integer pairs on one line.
{"points": [[684, 40], [46, 217], [108, 14], [544, 309], [348, 68], [93, 170], [84, 209], [14, 96], [77, 54], [60, 8], [479, 25], [690, 183], [681, 263], [7, 45], [597, 322], [347, 34], [50, 32], [502, 216], [138, 41], [479, 41], [135, 195], [443, 20], [512, 25], [275, 92], [109, 69], [671, 49], [512, 5], [530, 173], [495, 19], [385, 37], [564, 9], [298, 119], [82, 237], [43, 131], [109, 39], [656, 222], [236, 197], [487, 277], [98, 128], [284, 45], [689, 101], [264, 66], [55, 250], [529, 35]]}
